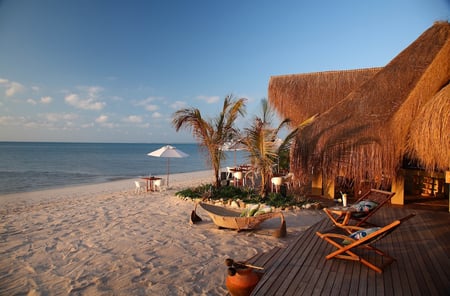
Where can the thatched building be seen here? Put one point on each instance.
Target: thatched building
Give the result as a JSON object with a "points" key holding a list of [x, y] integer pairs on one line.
{"points": [[371, 120]]}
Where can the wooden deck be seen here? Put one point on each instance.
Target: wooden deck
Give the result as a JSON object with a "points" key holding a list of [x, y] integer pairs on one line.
{"points": [[421, 246]]}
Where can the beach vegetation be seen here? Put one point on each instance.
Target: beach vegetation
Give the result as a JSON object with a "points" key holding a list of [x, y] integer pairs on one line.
{"points": [[211, 134], [247, 195]]}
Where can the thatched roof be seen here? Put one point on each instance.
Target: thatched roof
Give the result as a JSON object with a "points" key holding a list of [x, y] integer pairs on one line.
{"points": [[364, 135], [429, 138], [313, 93]]}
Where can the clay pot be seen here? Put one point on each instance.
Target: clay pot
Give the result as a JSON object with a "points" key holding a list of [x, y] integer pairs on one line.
{"points": [[242, 283]]}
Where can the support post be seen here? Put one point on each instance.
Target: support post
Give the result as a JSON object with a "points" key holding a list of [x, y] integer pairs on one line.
{"points": [[398, 186]]}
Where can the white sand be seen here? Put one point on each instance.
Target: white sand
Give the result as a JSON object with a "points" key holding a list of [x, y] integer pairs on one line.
{"points": [[105, 240]]}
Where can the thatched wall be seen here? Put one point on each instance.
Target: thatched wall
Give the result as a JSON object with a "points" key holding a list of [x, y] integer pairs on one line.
{"points": [[364, 135], [300, 96]]}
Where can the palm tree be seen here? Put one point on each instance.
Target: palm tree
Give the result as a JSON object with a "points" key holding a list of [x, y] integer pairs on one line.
{"points": [[261, 142], [212, 134]]}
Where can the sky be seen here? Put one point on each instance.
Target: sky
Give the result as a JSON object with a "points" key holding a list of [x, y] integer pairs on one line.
{"points": [[116, 71]]}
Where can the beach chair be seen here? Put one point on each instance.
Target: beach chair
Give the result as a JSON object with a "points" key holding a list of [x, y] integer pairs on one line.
{"points": [[250, 178], [159, 185], [364, 239], [366, 206], [288, 180], [276, 183], [140, 187]]}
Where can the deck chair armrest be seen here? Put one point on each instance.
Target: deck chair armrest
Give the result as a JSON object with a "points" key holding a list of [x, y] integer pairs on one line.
{"points": [[351, 228], [334, 235]]}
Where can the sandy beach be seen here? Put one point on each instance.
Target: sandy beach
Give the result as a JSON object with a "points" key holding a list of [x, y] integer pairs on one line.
{"points": [[104, 239]]}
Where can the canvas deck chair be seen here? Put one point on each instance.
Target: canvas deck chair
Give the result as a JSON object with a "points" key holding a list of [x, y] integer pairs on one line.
{"points": [[366, 206], [364, 239]]}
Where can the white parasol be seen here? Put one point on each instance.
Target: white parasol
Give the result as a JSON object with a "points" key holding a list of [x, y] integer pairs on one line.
{"points": [[233, 146], [168, 152]]}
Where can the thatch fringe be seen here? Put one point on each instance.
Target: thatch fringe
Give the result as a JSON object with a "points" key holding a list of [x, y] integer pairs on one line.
{"points": [[429, 138]]}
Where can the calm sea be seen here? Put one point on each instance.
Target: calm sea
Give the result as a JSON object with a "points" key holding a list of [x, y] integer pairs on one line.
{"points": [[30, 166]]}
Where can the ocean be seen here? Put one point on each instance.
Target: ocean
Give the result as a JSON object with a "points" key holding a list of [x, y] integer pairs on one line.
{"points": [[31, 166]]}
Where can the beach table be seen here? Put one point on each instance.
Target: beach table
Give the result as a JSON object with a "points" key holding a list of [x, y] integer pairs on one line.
{"points": [[238, 174], [149, 182]]}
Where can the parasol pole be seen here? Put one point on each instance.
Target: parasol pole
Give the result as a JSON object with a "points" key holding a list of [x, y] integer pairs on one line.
{"points": [[168, 160]]}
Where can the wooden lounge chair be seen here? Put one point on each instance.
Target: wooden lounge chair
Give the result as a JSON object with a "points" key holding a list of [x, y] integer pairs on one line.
{"points": [[361, 238], [341, 216]]}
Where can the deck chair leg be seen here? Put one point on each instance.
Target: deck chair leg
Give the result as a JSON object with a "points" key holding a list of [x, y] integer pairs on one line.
{"points": [[349, 255], [334, 219]]}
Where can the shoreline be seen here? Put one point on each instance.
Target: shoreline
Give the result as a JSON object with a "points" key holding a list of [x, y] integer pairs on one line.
{"points": [[179, 179], [103, 239]]}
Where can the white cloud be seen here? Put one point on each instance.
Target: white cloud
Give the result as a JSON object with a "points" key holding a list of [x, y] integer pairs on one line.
{"points": [[43, 100], [151, 108], [57, 117], [89, 100], [178, 105], [46, 100], [102, 119], [209, 100], [52, 121], [87, 104], [6, 120], [92, 91], [149, 100], [149, 104], [157, 115], [31, 102], [12, 87], [133, 119], [87, 125]]}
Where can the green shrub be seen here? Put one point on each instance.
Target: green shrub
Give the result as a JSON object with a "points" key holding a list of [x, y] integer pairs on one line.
{"points": [[196, 192], [226, 193]]}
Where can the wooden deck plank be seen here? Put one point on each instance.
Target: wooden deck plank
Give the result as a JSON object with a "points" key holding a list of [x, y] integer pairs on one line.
{"points": [[422, 278], [434, 263], [403, 263], [354, 285], [322, 271], [317, 277], [437, 245], [302, 251], [337, 285], [420, 245], [272, 283], [393, 275], [413, 238], [265, 259], [307, 260]]}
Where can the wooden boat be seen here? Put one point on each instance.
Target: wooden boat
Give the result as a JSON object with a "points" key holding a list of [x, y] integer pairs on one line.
{"points": [[228, 218]]}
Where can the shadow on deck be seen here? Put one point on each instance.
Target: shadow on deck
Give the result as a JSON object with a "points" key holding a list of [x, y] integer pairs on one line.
{"points": [[421, 247]]}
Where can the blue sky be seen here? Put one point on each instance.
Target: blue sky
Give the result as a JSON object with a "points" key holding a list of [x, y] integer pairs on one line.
{"points": [[116, 71]]}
